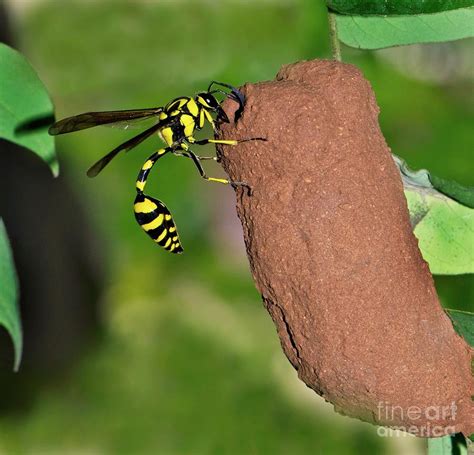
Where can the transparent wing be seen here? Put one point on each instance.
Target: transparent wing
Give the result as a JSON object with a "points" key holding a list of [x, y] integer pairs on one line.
{"points": [[135, 124]]}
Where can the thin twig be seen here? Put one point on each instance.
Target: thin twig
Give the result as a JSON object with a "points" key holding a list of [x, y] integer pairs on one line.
{"points": [[335, 44]]}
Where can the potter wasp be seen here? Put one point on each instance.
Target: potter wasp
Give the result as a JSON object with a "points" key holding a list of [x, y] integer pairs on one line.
{"points": [[176, 124]]}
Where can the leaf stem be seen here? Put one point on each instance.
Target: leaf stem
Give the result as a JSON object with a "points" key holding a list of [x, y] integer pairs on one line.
{"points": [[335, 44]]}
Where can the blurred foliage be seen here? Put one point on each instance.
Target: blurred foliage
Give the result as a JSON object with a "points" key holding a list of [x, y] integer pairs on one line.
{"points": [[189, 361], [453, 444], [377, 32], [395, 7], [173, 375], [25, 107], [464, 324], [9, 314]]}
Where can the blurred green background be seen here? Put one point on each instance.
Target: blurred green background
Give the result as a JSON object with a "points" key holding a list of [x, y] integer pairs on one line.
{"points": [[185, 359]]}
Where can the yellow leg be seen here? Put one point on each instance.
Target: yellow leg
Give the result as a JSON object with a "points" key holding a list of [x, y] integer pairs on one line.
{"points": [[195, 158], [200, 158], [192, 140], [213, 179]]}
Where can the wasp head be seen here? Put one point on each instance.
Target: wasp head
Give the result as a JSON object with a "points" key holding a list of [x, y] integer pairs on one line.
{"points": [[208, 101]]}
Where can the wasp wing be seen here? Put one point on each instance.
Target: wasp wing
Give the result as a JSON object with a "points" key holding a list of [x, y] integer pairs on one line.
{"points": [[91, 119], [134, 124], [126, 146]]}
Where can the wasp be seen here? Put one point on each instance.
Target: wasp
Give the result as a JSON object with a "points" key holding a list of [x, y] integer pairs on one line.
{"points": [[176, 123]]}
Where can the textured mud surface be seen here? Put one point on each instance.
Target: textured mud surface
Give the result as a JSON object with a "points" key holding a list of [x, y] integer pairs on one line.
{"points": [[333, 255]]}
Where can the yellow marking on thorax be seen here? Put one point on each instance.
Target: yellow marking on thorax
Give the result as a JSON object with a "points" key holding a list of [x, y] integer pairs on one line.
{"points": [[163, 116], [167, 217], [153, 224], [172, 247], [177, 104], [162, 236], [193, 107], [172, 229], [146, 206], [167, 135], [202, 118], [189, 124], [167, 244]]}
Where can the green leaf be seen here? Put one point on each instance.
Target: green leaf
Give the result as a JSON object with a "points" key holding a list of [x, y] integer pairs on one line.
{"points": [[463, 322], [395, 7], [376, 32], [462, 194], [9, 314], [444, 227], [422, 178], [25, 107], [448, 445]]}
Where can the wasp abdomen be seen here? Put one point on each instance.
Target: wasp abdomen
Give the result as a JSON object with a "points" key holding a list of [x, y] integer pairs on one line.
{"points": [[156, 220]]}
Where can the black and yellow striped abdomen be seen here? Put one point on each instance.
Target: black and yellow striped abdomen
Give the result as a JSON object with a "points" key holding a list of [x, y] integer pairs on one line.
{"points": [[156, 220]]}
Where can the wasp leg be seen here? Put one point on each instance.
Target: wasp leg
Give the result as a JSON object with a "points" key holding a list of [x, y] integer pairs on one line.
{"points": [[204, 158], [197, 163], [222, 84], [192, 140], [200, 158]]}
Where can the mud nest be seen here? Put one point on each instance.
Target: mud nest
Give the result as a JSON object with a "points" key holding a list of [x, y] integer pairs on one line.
{"points": [[334, 257]]}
